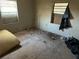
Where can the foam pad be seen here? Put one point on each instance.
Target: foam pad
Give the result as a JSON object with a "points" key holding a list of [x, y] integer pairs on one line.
{"points": [[7, 41]]}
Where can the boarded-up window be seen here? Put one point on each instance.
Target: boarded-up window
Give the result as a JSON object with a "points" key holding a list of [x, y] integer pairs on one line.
{"points": [[58, 12]]}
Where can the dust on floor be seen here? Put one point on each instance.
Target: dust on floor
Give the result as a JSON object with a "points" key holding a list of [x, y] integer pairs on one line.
{"points": [[37, 44]]}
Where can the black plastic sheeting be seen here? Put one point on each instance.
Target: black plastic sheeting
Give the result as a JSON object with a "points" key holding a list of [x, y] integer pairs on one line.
{"points": [[65, 22], [73, 44]]}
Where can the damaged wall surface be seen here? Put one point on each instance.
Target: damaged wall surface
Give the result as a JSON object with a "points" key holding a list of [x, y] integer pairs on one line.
{"points": [[26, 17], [43, 18]]}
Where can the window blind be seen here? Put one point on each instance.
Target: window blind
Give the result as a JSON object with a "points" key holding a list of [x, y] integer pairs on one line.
{"points": [[59, 8], [8, 10]]}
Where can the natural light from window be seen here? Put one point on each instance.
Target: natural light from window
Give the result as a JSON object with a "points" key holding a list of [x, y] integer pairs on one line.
{"points": [[8, 8], [59, 8]]}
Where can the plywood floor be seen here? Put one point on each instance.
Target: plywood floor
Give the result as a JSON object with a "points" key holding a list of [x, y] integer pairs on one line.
{"points": [[37, 44]]}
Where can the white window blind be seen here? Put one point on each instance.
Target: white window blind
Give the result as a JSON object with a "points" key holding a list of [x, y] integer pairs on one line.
{"points": [[59, 8], [8, 10]]}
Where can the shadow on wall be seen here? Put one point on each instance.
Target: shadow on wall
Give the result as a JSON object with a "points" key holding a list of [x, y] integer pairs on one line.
{"points": [[43, 18]]}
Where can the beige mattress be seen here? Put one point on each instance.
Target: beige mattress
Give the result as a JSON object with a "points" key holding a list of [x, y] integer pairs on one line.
{"points": [[7, 41]]}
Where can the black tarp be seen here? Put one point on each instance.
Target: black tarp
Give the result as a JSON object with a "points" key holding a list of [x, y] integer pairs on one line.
{"points": [[65, 23], [73, 44]]}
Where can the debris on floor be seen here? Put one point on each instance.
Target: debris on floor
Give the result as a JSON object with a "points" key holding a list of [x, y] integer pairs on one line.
{"points": [[40, 45], [73, 44]]}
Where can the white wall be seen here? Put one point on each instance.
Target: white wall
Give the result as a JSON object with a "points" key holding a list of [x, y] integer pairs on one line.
{"points": [[26, 16], [43, 18]]}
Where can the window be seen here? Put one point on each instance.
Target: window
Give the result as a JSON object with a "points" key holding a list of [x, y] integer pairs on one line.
{"points": [[59, 8], [8, 10]]}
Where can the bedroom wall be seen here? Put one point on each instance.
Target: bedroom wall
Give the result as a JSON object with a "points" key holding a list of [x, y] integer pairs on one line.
{"points": [[43, 18], [26, 17]]}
